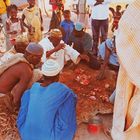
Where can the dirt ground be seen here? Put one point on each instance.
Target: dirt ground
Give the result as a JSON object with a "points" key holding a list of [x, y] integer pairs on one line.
{"points": [[93, 95], [92, 98]]}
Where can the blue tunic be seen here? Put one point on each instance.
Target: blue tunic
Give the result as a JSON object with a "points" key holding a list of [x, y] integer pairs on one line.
{"points": [[47, 113], [113, 59], [68, 28]]}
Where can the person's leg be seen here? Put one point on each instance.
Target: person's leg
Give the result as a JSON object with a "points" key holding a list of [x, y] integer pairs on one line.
{"points": [[104, 29], [95, 33]]}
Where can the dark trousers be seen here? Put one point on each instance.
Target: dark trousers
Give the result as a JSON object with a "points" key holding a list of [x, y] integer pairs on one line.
{"points": [[99, 26]]}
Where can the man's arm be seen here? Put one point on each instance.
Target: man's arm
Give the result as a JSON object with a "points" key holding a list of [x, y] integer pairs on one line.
{"points": [[57, 48], [74, 55], [88, 44], [41, 19], [22, 85], [106, 61], [23, 18], [24, 24]]}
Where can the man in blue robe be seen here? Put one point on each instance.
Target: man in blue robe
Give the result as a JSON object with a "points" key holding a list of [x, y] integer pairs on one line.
{"points": [[48, 109]]}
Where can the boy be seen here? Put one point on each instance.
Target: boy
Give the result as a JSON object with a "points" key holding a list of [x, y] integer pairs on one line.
{"points": [[67, 25], [33, 17], [116, 15], [14, 25]]}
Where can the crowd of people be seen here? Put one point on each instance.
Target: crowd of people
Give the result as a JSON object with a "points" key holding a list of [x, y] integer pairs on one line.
{"points": [[31, 65]]}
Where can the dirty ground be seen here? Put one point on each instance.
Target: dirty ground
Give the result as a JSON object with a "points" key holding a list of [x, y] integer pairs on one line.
{"points": [[92, 99]]}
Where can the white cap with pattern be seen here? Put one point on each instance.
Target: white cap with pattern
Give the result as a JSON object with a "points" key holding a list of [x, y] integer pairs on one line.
{"points": [[50, 68]]}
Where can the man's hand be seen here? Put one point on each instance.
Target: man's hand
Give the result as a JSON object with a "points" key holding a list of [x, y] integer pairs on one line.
{"points": [[59, 47], [84, 57], [31, 29]]}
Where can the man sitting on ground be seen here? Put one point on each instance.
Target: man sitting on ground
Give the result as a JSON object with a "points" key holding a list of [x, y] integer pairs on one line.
{"points": [[20, 74], [48, 110], [55, 48], [82, 41]]}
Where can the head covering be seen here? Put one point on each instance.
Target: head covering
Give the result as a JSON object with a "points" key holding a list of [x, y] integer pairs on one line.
{"points": [[79, 26], [34, 48], [55, 33], [50, 68]]}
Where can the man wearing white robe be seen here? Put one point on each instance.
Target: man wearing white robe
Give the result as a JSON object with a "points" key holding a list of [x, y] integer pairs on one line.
{"points": [[126, 119]]}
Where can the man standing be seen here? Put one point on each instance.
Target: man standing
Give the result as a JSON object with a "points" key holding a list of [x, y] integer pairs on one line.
{"points": [[126, 119], [100, 14]]}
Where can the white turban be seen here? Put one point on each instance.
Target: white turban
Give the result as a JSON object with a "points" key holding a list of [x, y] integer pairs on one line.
{"points": [[50, 68]]}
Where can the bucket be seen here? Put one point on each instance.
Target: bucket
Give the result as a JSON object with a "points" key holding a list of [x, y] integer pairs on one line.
{"points": [[95, 125]]}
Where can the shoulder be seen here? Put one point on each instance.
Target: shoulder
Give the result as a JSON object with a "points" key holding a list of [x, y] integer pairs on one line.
{"points": [[72, 22], [35, 85], [59, 85], [45, 43], [87, 35], [63, 22], [37, 8], [23, 68]]}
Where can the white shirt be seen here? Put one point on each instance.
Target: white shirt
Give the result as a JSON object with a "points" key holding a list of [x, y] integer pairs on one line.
{"points": [[101, 11], [60, 56]]}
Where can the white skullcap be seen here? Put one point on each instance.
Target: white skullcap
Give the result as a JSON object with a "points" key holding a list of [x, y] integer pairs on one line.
{"points": [[50, 68]]}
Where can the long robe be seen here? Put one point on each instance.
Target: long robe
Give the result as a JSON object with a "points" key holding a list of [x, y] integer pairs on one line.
{"points": [[126, 119], [47, 113]]}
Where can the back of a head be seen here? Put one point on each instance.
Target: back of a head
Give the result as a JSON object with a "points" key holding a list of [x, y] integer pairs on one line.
{"points": [[66, 12], [50, 68], [20, 47], [79, 27]]}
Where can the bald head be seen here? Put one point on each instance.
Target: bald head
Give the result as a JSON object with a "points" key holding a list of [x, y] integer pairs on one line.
{"points": [[21, 46], [33, 53], [34, 48]]}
